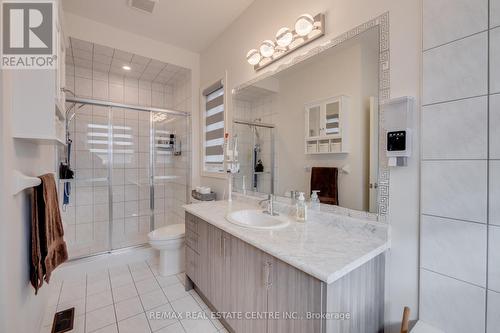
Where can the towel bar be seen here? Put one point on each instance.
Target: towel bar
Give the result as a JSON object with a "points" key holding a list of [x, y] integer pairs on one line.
{"points": [[22, 182]]}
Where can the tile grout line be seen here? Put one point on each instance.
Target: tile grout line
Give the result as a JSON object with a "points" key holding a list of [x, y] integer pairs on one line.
{"points": [[113, 300], [85, 312], [454, 100], [452, 277], [168, 300], [487, 168], [139, 297], [455, 40], [453, 219]]}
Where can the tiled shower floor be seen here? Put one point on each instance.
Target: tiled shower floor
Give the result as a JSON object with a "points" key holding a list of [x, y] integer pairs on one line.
{"points": [[123, 298]]}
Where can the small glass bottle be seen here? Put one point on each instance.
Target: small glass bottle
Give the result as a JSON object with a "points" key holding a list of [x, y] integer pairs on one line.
{"points": [[315, 203], [301, 208]]}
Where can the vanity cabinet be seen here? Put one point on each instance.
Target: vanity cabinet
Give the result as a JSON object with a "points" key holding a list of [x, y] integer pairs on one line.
{"points": [[326, 126], [235, 277]]}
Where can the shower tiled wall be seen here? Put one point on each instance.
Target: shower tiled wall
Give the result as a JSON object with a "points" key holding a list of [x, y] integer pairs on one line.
{"points": [[460, 242], [86, 218], [259, 108]]}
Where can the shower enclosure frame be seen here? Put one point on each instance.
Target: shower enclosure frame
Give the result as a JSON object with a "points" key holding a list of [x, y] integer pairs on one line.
{"points": [[152, 111], [262, 125]]}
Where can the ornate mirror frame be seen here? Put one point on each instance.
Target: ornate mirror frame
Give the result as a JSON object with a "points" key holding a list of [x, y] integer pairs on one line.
{"points": [[382, 23]]}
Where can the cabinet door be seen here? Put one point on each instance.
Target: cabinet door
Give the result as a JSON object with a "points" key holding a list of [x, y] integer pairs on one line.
{"points": [[203, 263], [293, 292], [215, 267], [248, 286], [332, 117], [313, 121]]}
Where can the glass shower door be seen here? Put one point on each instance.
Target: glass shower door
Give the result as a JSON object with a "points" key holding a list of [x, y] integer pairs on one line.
{"points": [[130, 174], [170, 167]]}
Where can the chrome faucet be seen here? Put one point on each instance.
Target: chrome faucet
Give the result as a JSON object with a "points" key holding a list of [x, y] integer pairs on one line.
{"points": [[270, 205]]}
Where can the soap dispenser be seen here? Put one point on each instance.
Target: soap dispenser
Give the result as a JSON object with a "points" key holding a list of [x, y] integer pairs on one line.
{"points": [[301, 213], [315, 200]]}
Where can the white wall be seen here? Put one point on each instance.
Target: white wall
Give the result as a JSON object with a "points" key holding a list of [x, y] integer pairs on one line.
{"points": [[261, 21], [460, 234], [22, 310]]}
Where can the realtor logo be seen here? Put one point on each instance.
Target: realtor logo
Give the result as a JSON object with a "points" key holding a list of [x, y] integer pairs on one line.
{"points": [[28, 35]]}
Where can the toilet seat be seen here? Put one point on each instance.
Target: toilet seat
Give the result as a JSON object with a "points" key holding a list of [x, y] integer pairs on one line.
{"points": [[170, 232]]}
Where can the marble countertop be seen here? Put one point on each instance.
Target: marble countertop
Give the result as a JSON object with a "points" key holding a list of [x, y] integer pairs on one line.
{"points": [[328, 246]]}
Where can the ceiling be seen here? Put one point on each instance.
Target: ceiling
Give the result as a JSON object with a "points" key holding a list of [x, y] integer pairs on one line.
{"points": [[190, 24], [104, 59]]}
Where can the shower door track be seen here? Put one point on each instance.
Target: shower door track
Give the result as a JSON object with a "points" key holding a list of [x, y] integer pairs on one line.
{"points": [[99, 102], [151, 110]]}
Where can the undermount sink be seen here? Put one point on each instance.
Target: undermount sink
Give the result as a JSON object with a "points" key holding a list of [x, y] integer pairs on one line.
{"points": [[254, 218]]}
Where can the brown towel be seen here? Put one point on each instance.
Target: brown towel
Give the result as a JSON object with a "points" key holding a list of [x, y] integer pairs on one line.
{"points": [[325, 180], [48, 248]]}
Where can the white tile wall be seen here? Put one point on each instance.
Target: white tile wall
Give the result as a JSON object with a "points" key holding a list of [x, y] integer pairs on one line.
{"points": [[455, 189], [494, 258], [494, 13], [89, 203], [451, 305], [454, 248], [494, 197], [463, 18], [455, 130], [493, 325], [494, 126], [456, 70], [495, 60]]}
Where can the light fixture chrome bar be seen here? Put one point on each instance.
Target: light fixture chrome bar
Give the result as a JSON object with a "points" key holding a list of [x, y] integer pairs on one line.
{"points": [[98, 102], [319, 24], [250, 123]]}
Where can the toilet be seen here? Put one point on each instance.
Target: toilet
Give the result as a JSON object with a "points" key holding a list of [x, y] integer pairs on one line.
{"points": [[169, 241]]}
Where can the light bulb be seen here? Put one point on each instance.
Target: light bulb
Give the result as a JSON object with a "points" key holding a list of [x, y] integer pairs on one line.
{"points": [[284, 37], [304, 25], [126, 67], [267, 48], [253, 57]]}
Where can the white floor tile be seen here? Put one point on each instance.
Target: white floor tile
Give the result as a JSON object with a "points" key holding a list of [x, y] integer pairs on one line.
{"points": [[124, 292], [48, 317], [100, 318], [146, 286], [99, 300], [153, 299], [186, 304], [72, 293], [128, 308], [138, 266], [136, 324], [79, 306], [158, 317], [98, 286], [142, 274], [121, 280], [198, 326], [167, 280], [198, 299], [175, 291], [174, 328], [118, 270], [108, 329], [211, 315]]}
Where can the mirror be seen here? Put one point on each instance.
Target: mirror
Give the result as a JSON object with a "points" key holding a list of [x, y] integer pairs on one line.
{"points": [[314, 126]]}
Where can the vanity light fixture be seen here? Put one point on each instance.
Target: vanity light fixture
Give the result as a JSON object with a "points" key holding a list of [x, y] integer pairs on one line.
{"points": [[126, 67], [304, 25], [307, 29], [253, 57], [267, 48], [284, 37]]}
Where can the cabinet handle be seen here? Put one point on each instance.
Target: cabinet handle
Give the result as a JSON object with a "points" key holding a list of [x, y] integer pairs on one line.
{"points": [[224, 247], [220, 245], [267, 275]]}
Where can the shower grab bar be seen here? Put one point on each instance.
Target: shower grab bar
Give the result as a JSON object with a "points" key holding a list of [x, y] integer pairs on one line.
{"points": [[251, 123], [124, 106]]}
